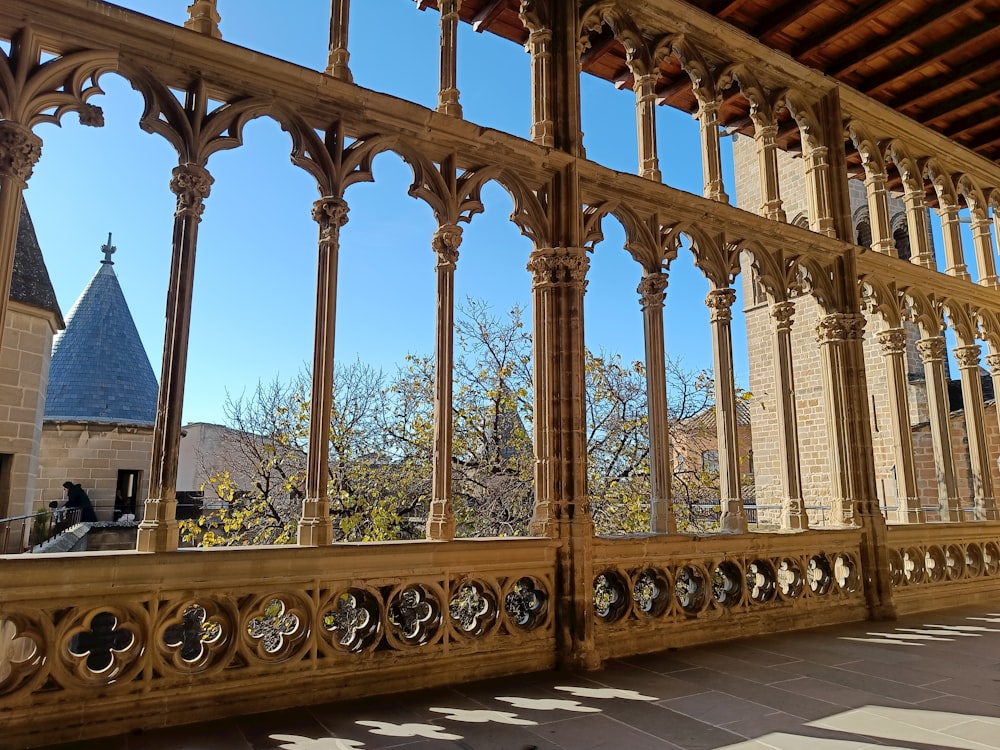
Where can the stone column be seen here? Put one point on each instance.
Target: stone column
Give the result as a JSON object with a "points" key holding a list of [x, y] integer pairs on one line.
{"points": [[932, 354], [878, 213], [338, 57], [315, 527], [893, 343], [652, 290], [645, 120], [20, 150], [767, 159], [921, 250], [993, 364], [191, 183], [818, 190], [835, 334], [734, 518], [539, 46], [951, 232], [441, 519], [448, 94], [711, 150], [562, 503], [793, 512], [975, 427], [982, 242], [203, 17]]}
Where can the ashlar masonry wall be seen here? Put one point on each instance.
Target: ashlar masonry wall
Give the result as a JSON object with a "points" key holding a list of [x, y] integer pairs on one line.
{"points": [[24, 371], [92, 454]]}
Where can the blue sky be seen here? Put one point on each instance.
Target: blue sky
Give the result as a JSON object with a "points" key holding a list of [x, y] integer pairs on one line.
{"points": [[255, 279]]}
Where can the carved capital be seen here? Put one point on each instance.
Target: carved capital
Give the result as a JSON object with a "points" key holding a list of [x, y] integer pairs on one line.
{"points": [[931, 350], [20, 150], [993, 363], [892, 341], [331, 214], [652, 291], [192, 184], [561, 266], [720, 302], [446, 241], [840, 327], [782, 313], [968, 356]]}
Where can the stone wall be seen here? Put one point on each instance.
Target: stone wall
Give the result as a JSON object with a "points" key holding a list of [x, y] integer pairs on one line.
{"points": [[24, 371], [92, 455]]}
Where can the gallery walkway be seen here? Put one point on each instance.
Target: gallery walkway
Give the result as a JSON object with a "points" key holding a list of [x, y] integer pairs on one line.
{"points": [[923, 682]]}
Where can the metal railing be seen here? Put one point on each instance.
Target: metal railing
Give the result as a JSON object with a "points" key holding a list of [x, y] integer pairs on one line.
{"points": [[20, 533]]}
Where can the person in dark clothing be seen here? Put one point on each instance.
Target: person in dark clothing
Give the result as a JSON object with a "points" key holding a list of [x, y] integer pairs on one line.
{"points": [[76, 497]]}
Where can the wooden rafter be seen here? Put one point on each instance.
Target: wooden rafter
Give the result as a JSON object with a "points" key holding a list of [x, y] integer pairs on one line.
{"points": [[967, 37], [961, 74], [783, 16], [945, 108], [863, 15], [905, 33], [488, 14]]}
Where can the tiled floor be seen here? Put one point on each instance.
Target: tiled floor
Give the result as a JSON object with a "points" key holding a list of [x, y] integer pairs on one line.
{"points": [[922, 683]]}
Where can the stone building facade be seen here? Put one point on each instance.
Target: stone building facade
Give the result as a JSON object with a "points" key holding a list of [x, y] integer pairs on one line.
{"points": [[811, 417]]}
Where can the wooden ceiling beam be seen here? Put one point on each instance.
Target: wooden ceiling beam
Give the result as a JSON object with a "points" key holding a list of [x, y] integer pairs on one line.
{"points": [[725, 8], [986, 118], [784, 15], [931, 86], [945, 108], [863, 15], [936, 52], [903, 34], [488, 14]]}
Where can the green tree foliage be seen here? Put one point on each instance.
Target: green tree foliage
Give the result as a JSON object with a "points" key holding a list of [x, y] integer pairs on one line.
{"points": [[381, 444]]}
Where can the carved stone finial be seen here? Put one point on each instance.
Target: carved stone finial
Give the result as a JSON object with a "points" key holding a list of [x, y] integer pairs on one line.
{"points": [[192, 184], [203, 17], [20, 150], [445, 243], [652, 290], [720, 303], [108, 251]]}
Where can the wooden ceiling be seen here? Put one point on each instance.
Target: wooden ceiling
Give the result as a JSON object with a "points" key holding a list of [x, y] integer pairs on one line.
{"points": [[936, 61]]}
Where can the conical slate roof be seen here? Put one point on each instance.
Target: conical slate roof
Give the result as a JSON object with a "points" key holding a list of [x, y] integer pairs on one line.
{"points": [[100, 371], [30, 282]]}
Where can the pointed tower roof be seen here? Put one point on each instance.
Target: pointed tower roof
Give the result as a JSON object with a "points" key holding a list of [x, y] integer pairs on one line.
{"points": [[100, 371], [30, 281]]}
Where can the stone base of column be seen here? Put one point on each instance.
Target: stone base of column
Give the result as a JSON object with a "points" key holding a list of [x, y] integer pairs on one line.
{"points": [[440, 524], [734, 518], [794, 516], [315, 532], [661, 517], [158, 532], [842, 512]]}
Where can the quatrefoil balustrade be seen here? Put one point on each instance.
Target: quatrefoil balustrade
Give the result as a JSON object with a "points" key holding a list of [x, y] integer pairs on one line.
{"points": [[525, 601], [611, 597], [22, 654], [473, 608], [353, 620], [276, 627], [414, 615], [103, 645], [196, 635], [651, 592]]}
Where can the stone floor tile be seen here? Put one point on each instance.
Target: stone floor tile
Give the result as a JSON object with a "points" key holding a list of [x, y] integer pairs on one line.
{"points": [[598, 732], [260, 729], [841, 696], [897, 729], [717, 709]]}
